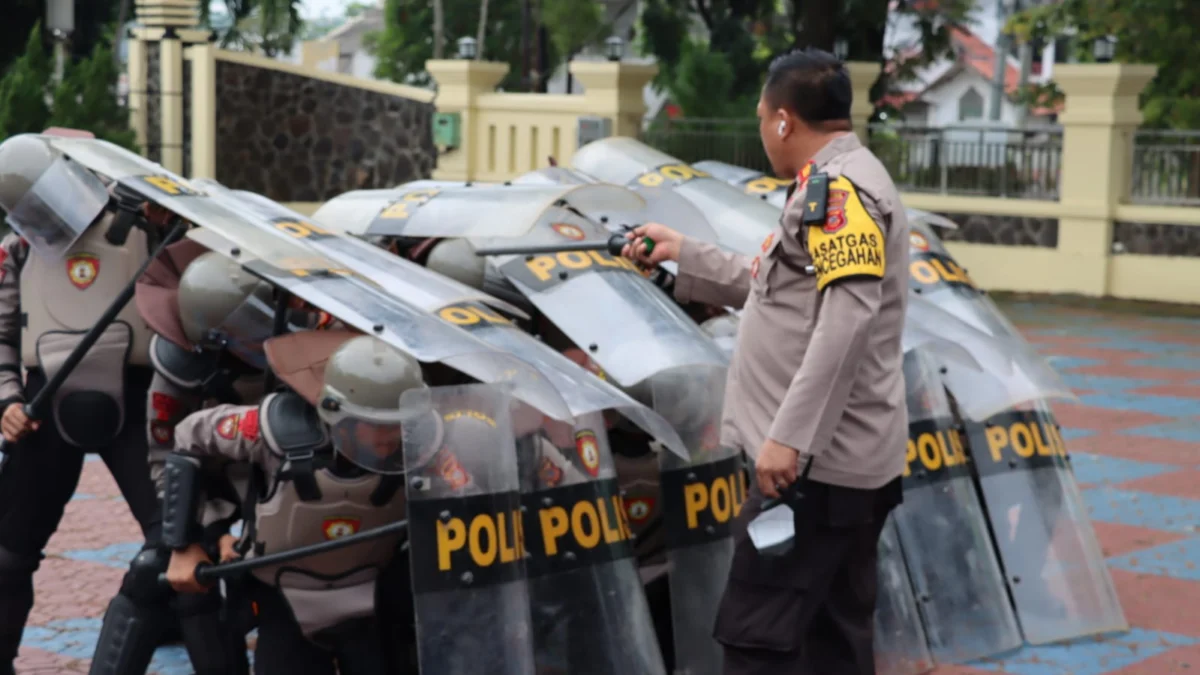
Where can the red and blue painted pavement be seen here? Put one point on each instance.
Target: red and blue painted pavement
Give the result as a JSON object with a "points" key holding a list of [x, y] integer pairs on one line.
{"points": [[1135, 440]]}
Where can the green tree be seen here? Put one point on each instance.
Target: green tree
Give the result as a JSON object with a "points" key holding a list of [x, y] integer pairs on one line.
{"points": [[269, 27], [406, 41], [573, 24], [23, 90], [87, 99], [1161, 32]]}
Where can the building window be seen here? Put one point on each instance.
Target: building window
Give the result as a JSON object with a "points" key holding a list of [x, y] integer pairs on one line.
{"points": [[970, 106]]}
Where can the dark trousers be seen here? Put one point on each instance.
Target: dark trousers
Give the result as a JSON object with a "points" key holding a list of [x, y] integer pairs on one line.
{"points": [[38, 481], [355, 647], [809, 611]]}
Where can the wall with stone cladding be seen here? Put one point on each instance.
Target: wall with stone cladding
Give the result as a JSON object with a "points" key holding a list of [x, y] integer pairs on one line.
{"points": [[153, 103], [299, 139], [977, 228]]}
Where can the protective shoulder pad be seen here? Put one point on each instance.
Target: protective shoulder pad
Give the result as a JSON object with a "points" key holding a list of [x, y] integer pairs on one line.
{"points": [[289, 424], [183, 368]]}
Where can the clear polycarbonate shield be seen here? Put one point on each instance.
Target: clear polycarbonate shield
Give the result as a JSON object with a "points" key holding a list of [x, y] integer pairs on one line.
{"points": [[1054, 566], [605, 304], [753, 183], [723, 330], [365, 306], [464, 307], [740, 222], [466, 211], [937, 277], [466, 553], [590, 615], [60, 205], [244, 330], [943, 530], [700, 497], [177, 195], [900, 647]]}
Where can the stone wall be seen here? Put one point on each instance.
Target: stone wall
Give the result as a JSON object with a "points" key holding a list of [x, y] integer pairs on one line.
{"points": [[299, 139], [153, 103], [978, 228], [1156, 239]]}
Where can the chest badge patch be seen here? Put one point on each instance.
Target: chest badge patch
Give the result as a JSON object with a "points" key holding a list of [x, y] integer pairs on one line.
{"points": [[639, 509], [767, 242], [569, 231], [589, 451], [336, 528], [754, 268], [82, 270], [452, 471], [227, 428]]}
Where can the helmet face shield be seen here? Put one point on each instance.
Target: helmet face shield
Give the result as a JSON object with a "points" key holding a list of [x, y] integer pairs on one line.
{"points": [[243, 331], [62, 203], [370, 438]]}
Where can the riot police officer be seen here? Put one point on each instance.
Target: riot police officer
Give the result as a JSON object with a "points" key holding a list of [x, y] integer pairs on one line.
{"points": [[209, 324], [332, 454], [62, 269]]}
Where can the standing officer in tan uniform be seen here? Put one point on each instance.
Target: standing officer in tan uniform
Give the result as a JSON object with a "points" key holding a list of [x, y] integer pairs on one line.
{"points": [[816, 378]]}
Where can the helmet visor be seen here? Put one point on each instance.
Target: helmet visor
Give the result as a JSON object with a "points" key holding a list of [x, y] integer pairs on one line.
{"points": [[58, 208], [370, 438], [243, 331]]}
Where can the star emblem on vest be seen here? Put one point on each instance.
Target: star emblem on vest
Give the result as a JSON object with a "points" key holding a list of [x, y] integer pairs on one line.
{"points": [[639, 509], [569, 231], [227, 428], [589, 451], [82, 270], [336, 528]]}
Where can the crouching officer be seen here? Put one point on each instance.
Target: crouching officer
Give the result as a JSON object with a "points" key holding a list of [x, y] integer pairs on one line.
{"points": [[209, 319], [332, 454], [69, 260]]}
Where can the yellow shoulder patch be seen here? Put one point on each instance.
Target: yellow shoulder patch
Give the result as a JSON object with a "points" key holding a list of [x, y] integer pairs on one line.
{"points": [[850, 243]]}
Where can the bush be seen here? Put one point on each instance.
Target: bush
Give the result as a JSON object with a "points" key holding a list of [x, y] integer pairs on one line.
{"points": [[24, 90]]}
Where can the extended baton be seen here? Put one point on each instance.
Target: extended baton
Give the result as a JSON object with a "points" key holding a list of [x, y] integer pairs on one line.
{"points": [[613, 246], [33, 409], [207, 573]]}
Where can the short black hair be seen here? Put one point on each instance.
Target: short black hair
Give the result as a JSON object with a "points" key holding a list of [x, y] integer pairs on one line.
{"points": [[811, 83]]}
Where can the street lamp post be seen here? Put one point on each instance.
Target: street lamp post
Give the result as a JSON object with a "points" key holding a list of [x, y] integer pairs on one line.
{"points": [[614, 48], [1104, 48], [468, 48]]}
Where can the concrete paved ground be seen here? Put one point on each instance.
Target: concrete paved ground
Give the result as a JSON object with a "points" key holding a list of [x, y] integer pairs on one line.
{"points": [[1135, 440]]}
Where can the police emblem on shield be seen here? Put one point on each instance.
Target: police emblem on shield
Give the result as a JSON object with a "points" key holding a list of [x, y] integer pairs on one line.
{"points": [[918, 241], [589, 452], [452, 471], [569, 231], [82, 270], [639, 509], [336, 528]]}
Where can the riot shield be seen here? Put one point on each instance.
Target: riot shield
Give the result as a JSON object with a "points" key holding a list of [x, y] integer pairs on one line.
{"points": [[1052, 561], [466, 553], [943, 531], [700, 498], [938, 278], [465, 308], [900, 647], [741, 223], [590, 615], [604, 303], [482, 211]]}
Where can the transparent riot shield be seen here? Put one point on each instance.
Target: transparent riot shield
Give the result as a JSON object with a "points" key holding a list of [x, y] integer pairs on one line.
{"points": [[604, 303], [466, 211], [466, 553], [1053, 564], [943, 530], [700, 498], [754, 183], [590, 616], [936, 276], [740, 222], [900, 647]]}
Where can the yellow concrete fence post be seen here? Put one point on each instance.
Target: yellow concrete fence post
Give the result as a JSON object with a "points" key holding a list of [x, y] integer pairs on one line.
{"points": [[862, 75], [204, 111], [614, 89], [1099, 121], [460, 83], [137, 90]]}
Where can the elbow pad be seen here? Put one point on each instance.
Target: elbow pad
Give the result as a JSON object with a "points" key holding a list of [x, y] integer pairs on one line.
{"points": [[180, 491]]}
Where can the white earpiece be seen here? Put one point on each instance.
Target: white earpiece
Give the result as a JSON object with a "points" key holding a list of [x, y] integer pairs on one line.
{"points": [[782, 127]]}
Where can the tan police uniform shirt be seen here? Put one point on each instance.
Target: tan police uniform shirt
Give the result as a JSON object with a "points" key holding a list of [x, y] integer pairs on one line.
{"points": [[818, 362]]}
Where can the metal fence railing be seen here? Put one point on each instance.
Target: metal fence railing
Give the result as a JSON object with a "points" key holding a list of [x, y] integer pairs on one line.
{"points": [[735, 141], [979, 161], [1166, 168]]}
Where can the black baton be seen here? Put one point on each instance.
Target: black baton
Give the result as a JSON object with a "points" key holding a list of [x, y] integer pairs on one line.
{"points": [[613, 246], [33, 409], [207, 573]]}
